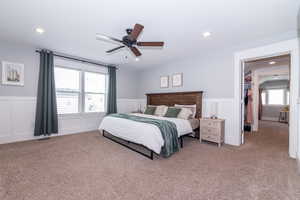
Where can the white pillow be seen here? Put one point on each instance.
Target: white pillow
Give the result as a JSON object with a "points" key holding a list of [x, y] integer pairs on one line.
{"points": [[185, 113], [191, 107], [161, 111]]}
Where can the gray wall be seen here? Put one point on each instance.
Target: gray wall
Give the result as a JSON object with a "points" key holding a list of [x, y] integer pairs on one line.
{"points": [[20, 54], [270, 112], [126, 83], [212, 74], [126, 79], [211, 70]]}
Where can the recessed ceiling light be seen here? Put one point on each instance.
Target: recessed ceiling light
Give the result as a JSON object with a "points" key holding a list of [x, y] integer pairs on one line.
{"points": [[272, 62], [206, 34], [137, 59], [39, 30]]}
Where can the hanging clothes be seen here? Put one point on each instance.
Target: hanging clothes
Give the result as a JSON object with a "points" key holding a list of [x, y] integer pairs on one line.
{"points": [[260, 108], [246, 97], [249, 116]]}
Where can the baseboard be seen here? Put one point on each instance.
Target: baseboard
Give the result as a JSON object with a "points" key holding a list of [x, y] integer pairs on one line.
{"points": [[22, 138], [269, 119]]}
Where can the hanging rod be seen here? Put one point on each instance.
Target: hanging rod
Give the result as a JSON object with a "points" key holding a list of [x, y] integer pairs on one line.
{"points": [[69, 57]]}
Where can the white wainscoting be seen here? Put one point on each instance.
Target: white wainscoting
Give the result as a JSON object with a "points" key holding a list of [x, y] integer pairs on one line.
{"points": [[225, 111], [17, 116], [298, 147]]}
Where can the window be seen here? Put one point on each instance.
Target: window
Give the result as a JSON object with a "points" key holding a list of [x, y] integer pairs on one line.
{"points": [[67, 83], [94, 92], [79, 91], [263, 98], [275, 97]]}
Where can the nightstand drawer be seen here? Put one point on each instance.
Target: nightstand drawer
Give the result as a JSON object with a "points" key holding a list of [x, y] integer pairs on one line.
{"points": [[212, 138], [209, 131], [209, 123]]}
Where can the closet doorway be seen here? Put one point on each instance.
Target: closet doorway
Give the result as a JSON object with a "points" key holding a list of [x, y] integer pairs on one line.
{"points": [[266, 99], [288, 47]]}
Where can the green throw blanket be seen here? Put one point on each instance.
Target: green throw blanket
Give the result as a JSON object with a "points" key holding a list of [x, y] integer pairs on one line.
{"points": [[168, 131]]}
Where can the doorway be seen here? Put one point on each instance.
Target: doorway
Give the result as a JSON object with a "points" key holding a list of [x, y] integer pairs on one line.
{"points": [[277, 49], [265, 97]]}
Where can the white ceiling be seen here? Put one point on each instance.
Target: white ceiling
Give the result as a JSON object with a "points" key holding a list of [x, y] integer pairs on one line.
{"points": [[71, 25], [283, 61]]}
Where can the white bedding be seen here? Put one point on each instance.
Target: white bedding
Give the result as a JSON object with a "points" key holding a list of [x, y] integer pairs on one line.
{"points": [[148, 135]]}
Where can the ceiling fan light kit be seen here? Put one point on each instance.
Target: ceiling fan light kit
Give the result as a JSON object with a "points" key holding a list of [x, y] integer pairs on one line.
{"points": [[130, 40]]}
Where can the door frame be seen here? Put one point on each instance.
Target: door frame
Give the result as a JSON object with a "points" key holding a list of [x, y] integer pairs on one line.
{"points": [[281, 48], [242, 101]]}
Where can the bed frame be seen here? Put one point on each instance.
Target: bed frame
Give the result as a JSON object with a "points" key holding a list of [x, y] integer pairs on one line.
{"points": [[168, 99], [151, 152]]}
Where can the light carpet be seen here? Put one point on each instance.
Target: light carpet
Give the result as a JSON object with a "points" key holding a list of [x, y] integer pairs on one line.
{"points": [[89, 167]]}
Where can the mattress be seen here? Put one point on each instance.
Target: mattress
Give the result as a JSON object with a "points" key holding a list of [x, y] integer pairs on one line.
{"points": [[148, 135]]}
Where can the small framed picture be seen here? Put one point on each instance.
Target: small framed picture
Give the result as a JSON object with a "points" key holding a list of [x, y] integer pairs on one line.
{"points": [[164, 81], [177, 80], [12, 73]]}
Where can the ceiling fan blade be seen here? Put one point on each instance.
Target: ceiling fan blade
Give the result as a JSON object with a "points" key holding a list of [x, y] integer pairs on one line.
{"points": [[150, 44], [114, 49], [136, 31], [136, 52], [105, 37]]}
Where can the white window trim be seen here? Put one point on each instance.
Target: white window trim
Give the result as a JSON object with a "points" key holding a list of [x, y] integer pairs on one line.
{"points": [[81, 101]]}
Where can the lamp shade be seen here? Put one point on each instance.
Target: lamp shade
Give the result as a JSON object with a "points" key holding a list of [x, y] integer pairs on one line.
{"points": [[214, 107]]}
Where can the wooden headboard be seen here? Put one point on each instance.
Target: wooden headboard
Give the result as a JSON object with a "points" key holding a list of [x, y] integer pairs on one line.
{"points": [[172, 98]]}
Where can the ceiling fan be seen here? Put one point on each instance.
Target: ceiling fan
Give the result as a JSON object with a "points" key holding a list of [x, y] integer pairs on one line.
{"points": [[130, 40]]}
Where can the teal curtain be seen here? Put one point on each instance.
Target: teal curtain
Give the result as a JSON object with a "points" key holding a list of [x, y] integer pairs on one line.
{"points": [[46, 122], [112, 91]]}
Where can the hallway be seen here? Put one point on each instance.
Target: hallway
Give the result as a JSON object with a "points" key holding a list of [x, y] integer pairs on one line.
{"points": [[271, 137]]}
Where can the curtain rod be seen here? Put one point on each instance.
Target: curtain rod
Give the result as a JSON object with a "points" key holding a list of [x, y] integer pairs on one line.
{"points": [[61, 55]]}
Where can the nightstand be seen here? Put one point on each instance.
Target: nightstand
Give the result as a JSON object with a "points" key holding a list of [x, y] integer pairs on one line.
{"points": [[212, 130]]}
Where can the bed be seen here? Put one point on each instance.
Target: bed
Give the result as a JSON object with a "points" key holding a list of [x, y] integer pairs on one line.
{"points": [[151, 137]]}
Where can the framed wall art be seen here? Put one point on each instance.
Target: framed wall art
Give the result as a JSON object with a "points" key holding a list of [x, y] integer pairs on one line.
{"points": [[177, 80], [12, 73], [164, 81]]}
